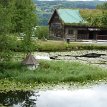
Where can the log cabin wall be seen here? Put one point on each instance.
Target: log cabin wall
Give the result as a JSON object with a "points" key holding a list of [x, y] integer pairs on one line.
{"points": [[71, 33], [76, 33], [56, 27]]}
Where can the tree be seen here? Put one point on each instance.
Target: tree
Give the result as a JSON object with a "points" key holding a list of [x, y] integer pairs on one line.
{"points": [[5, 29], [18, 16], [103, 18], [25, 19], [93, 17], [102, 6]]}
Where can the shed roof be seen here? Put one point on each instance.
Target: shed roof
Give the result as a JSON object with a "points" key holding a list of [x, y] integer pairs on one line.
{"points": [[69, 16], [30, 60]]}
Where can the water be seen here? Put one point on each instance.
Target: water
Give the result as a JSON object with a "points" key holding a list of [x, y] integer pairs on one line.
{"points": [[100, 61], [95, 96]]}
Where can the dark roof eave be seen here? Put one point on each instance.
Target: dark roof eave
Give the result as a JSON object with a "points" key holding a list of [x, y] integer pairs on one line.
{"points": [[76, 24], [82, 25]]}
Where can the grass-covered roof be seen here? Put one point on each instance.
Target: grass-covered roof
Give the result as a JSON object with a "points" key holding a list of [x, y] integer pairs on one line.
{"points": [[88, 17]]}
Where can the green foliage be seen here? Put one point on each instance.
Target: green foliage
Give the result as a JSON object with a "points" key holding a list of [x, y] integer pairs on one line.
{"points": [[52, 46], [8, 43], [42, 32], [6, 26], [52, 72], [25, 20], [102, 6], [27, 46], [95, 17], [24, 17], [104, 19], [46, 8], [17, 16]]}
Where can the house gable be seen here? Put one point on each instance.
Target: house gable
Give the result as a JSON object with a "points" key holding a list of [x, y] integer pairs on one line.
{"points": [[70, 16], [55, 21], [54, 18]]}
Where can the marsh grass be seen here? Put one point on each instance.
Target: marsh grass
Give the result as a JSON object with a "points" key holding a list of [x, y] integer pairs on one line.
{"points": [[52, 72], [54, 46]]}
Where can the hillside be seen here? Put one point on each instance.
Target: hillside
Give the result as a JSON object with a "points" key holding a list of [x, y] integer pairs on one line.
{"points": [[46, 8]]}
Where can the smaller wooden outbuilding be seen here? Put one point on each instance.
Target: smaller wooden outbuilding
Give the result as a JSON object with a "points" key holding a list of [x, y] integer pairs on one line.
{"points": [[30, 62]]}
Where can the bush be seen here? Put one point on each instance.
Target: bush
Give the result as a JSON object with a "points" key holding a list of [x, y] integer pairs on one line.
{"points": [[42, 32], [8, 43]]}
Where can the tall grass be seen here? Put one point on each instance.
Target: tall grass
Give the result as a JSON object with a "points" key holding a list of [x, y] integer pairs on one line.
{"points": [[53, 46], [53, 72], [63, 46]]}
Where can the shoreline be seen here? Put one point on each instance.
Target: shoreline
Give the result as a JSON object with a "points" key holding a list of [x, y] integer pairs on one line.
{"points": [[13, 86]]}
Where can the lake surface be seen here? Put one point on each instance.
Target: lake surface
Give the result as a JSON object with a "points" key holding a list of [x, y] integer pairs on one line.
{"points": [[94, 96]]}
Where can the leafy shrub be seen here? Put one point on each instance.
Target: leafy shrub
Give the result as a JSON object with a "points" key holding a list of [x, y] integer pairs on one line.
{"points": [[42, 32]]}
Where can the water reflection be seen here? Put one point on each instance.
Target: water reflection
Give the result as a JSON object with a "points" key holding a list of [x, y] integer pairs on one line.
{"points": [[18, 99], [88, 97], [95, 96]]}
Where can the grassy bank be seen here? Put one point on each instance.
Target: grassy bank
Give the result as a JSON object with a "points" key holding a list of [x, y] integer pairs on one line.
{"points": [[49, 72], [53, 46], [63, 46]]}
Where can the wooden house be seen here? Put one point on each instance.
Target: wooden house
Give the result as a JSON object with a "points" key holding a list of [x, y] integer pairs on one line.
{"points": [[68, 23]]}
